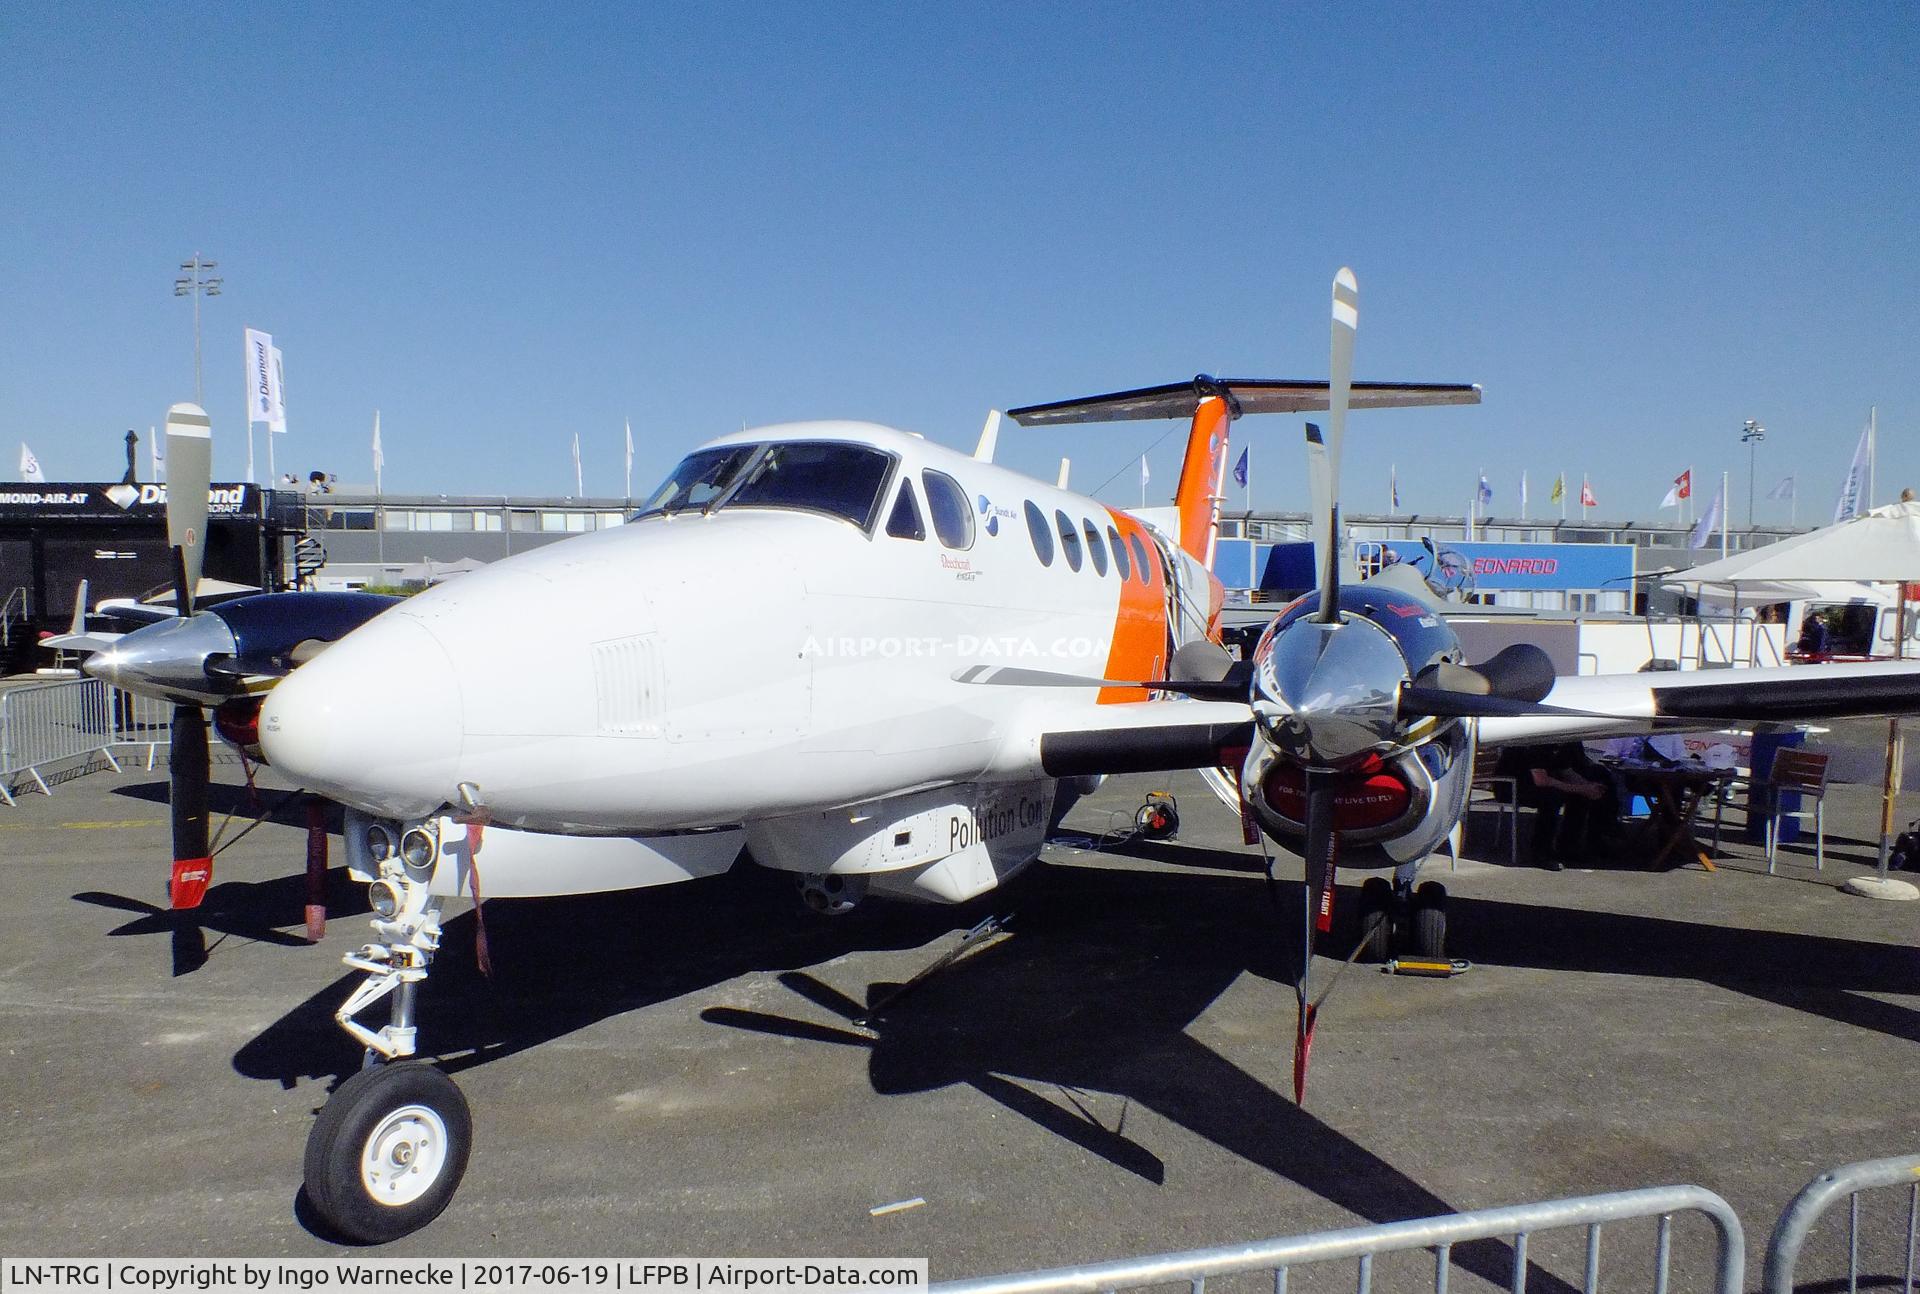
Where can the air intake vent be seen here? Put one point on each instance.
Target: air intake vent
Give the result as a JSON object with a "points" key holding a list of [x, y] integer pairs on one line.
{"points": [[628, 684]]}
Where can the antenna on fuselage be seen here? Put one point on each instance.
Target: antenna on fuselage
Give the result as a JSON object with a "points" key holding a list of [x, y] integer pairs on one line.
{"points": [[989, 437], [1066, 465]]}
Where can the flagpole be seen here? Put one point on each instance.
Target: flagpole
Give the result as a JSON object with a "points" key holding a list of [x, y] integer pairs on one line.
{"points": [[246, 403], [1723, 514], [1873, 450], [379, 507]]}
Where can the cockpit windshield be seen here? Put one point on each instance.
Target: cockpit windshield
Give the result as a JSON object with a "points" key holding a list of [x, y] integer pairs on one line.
{"points": [[836, 478], [701, 478]]}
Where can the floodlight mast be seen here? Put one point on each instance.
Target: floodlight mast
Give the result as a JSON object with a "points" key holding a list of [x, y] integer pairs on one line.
{"points": [[195, 284], [1751, 435]]}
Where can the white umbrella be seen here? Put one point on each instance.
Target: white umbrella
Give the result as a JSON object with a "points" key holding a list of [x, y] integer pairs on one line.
{"points": [[1881, 546]]}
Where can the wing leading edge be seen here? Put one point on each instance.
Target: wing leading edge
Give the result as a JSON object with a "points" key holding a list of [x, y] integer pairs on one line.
{"points": [[1618, 705]]}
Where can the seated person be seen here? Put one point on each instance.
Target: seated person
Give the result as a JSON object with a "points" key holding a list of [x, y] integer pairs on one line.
{"points": [[1813, 638], [1569, 794]]}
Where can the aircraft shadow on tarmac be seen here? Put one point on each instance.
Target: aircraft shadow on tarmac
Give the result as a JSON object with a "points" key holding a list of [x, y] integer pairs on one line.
{"points": [[255, 911], [286, 808], [1094, 991]]}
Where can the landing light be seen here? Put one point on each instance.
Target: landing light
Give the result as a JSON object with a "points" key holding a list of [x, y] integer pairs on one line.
{"points": [[385, 898], [416, 848], [380, 845]]}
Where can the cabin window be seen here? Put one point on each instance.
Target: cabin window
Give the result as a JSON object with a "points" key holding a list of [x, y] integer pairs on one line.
{"points": [[952, 513], [1121, 565], [841, 480], [1069, 540], [1096, 549], [1141, 565], [905, 522], [1042, 537], [702, 477]]}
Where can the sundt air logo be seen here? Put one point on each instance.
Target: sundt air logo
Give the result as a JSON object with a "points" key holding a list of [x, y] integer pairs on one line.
{"points": [[993, 514]]}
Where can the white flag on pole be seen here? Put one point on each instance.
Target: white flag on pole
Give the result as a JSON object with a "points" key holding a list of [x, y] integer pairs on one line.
{"points": [[379, 458], [263, 379], [579, 486], [629, 493], [278, 422], [30, 466], [1703, 533], [1853, 491]]}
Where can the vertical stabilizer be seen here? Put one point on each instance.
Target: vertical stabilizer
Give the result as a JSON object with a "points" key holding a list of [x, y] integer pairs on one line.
{"points": [[1202, 477]]}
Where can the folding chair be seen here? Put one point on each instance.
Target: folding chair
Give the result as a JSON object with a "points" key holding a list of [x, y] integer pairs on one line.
{"points": [[1502, 792], [1802, 773]]}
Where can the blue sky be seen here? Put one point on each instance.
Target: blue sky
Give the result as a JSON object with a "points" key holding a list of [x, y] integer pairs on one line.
{"points": [[504, 225]]}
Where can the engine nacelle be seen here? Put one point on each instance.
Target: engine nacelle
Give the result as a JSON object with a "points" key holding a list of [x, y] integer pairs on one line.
{"points": [[1387, 810]]}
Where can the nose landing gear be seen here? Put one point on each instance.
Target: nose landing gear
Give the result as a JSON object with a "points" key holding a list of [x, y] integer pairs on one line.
{"points": [[1396, 918], [390, 1146]]}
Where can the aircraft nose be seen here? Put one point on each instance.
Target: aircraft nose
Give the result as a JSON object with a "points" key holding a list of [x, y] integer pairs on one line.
{"points": [[374, 721]]}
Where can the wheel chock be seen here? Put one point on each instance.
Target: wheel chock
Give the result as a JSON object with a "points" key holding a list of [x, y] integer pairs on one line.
{"points": [[1427, 969]]}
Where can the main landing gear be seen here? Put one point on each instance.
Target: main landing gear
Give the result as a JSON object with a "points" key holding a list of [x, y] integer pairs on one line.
{"points": [[1398, 919], [390, 1146]]}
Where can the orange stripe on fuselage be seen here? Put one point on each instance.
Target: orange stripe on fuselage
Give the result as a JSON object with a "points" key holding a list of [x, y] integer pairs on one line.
{"points": [[1140, 625]]}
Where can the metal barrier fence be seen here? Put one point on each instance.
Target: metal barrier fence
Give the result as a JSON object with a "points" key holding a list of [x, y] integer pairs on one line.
{"points": [[1438, 1236], [45, 725], [1791, 1232]]}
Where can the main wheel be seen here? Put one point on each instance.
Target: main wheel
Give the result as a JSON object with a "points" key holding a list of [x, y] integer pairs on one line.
{"points": [[387, 1151], [1430, 921], [1376, 919]]}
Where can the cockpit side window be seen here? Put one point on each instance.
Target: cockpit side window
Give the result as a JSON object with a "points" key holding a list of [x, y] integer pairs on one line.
{"points": [[702, 477], [841, 480], [952, 513], [905, 523]]}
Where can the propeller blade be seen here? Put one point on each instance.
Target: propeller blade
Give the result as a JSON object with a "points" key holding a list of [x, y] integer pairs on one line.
{"points": [[1303, 1051], [1315, 880], [189, 472], [1234, 687], [1519, 672], [1346, 321], [1324, 522], [187, 772], [1445, 703]]}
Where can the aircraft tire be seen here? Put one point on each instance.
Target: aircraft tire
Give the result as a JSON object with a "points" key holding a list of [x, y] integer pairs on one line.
{"points": [[388, 1151], [1376, 919], [1430, 921]]}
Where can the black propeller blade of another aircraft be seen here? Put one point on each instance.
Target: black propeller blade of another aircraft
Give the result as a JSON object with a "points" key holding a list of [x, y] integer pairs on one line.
{"points": [[189, 473]]}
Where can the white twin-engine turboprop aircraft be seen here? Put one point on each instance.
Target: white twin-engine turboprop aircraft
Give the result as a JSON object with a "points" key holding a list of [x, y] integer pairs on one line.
{"points": [[877, 663]]}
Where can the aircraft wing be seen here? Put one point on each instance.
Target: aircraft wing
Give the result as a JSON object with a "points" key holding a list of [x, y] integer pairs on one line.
{"points": [[80, 641], [1618, 705]]}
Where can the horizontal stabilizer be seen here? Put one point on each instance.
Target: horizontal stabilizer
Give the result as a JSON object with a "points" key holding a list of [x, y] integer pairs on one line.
{"points": [[1244, 394]]}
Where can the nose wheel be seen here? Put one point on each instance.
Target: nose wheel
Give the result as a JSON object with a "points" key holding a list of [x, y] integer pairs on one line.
{"points": [[388, 1151], [1396, 920]]}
